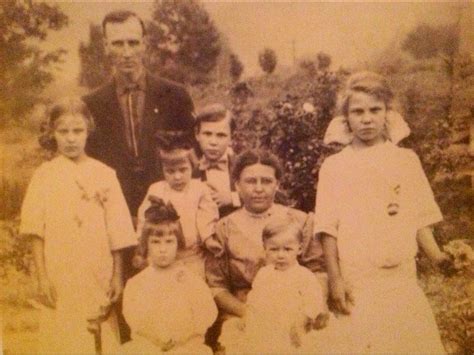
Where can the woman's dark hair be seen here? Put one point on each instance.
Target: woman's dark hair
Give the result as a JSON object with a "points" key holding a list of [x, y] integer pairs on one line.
{"points": [[73, 106], [256, 156]]}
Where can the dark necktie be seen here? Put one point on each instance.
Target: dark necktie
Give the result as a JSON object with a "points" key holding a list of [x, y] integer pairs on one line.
{"points": [[133, 117]]}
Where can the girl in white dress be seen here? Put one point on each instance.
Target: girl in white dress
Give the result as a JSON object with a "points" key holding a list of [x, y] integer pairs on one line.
{"points": [[286, 300], [167, 306], [78, 221], [191, 197], [374, 209]]}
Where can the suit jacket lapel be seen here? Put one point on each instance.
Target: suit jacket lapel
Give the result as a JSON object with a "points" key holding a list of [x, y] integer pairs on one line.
{"points": [[115, 118]]}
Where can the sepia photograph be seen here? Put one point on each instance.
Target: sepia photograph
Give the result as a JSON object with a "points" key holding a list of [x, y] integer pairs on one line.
{"points": [[236, 177]]}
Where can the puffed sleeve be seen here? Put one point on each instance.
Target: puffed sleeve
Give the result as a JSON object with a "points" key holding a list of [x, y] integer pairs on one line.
{"points": [[426, 210], [312, 296], [118, 218], [207, 214], [203, 306], [326, 217], [216, 264], [33, 208]]}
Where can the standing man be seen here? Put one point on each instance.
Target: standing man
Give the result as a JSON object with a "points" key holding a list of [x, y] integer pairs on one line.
{"points": [[128, 112], [132, 108]]}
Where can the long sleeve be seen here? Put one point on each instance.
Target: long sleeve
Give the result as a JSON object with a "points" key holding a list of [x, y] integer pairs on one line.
{"points": [[207, 214], [312, 250], [216, 264], [118, 219]]}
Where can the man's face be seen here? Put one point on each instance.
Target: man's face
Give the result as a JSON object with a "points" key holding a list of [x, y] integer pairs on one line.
{"points": [[125, 45]]}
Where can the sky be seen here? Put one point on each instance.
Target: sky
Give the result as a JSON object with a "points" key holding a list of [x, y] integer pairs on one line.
{"points": [[350, 32]]}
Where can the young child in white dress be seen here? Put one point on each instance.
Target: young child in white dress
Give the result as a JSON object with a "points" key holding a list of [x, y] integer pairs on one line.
{"points": [[286, 299], [191, 198], [374, 208], [78, 221], [167, 306]]}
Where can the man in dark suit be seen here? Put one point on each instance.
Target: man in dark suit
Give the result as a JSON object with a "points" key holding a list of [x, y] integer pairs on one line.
{"points": [[132, 108], [128, 112]]}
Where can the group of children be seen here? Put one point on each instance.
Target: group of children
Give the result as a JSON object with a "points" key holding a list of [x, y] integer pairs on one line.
{"points": [[369, 217]]}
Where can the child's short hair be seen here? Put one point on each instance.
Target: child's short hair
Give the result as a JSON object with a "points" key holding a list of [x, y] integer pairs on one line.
{"points": [[66, 106], [281, 225], [174, 147], [157, 214], [214, 113], [369, 83]]}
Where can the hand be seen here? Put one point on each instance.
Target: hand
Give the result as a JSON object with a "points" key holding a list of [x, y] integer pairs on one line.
{"points": [[341, 298], [221, 199], [47, 293], [116, 288], [321, 321]]}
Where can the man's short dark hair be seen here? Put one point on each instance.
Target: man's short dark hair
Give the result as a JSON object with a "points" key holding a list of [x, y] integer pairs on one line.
{"points": [[120, 16]]}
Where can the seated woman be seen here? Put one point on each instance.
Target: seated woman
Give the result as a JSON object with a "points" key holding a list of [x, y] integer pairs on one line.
{"points": [[238, 252]]}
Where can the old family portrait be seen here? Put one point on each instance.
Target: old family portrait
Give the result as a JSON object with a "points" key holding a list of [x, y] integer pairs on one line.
{"points": [[236, 177]]}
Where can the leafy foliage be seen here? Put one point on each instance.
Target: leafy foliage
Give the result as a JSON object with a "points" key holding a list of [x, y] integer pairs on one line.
{"points": [[267, 60], [25, 69], [427, 41], [95, 67], [184, 43]]}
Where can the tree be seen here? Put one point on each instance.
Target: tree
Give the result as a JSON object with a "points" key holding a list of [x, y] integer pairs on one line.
{"points": [[427, 41], [267, 60], [25, 69], [183, 37], [236, 67], [95, 68], [324, 61]]}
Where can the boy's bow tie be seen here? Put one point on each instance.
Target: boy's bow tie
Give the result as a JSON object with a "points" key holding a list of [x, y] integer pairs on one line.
{"points": [[219, 165]]}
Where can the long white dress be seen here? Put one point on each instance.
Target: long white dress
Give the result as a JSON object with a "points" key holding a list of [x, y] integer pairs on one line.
{"points": [[358, 193], [278, 304], [168, 304], [80, 213]]}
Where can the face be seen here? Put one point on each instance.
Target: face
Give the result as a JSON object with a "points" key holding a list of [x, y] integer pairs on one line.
{"points": [[71, 136], [282, 250], [257, 186], [214, 138], [178, 175], [125, 45], [366, 117], [162, 247]]}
